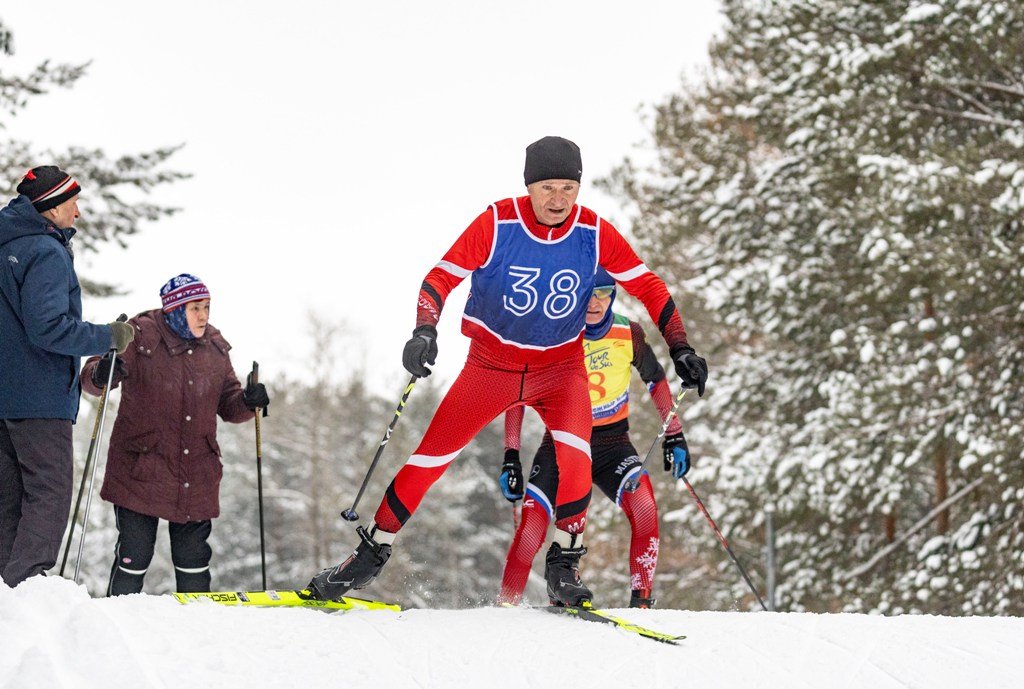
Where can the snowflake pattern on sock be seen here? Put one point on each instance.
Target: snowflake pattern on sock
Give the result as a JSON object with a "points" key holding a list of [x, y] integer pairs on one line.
{"points": [[646, 561]]}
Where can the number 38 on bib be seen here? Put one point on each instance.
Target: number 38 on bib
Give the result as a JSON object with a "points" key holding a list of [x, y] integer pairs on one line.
{"points": [[542, 286]]}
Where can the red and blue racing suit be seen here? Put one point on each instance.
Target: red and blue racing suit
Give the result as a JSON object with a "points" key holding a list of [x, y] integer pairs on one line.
{"points": [[525, 317]]}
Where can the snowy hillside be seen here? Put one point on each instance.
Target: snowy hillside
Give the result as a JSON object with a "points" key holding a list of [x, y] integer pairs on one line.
{"points": [[53, 635]]}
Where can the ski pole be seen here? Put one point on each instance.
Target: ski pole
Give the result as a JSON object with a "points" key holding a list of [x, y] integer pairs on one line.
{"points": [[722, 540], [350, 514], [633, 483], [85, 474], [254, 378], [94, 447]]}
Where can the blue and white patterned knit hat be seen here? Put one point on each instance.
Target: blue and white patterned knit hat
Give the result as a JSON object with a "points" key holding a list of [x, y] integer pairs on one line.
{"points": [[182, 289], [177, 292]]}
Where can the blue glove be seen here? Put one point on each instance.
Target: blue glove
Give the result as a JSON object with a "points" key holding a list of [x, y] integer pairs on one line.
{"points": [[676, 454], [511, 479]]}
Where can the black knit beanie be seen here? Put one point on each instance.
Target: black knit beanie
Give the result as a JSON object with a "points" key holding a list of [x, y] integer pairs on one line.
{"points": [[47, 186], [552, 158]]}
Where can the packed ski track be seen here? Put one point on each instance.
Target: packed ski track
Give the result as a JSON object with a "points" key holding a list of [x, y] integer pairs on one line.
{"points": [[54, 635]]}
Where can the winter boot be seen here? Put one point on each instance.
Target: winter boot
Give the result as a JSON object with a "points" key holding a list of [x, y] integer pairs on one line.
{"points": [[562, 573], [641, 598], [359, 570]]}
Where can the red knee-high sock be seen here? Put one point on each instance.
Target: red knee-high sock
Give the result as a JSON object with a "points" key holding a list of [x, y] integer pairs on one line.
{"points": [[530, 534], [642, 512]]}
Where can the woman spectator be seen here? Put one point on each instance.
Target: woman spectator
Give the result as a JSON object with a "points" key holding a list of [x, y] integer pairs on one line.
{"points": [[164, 460]]}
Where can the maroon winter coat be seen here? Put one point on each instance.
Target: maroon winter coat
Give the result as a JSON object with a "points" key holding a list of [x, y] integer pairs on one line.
{"points": [[164, 459]]}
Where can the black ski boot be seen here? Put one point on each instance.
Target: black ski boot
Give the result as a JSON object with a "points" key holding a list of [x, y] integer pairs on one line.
{"points": [[361, 568], [562, 573], [641, 598]]}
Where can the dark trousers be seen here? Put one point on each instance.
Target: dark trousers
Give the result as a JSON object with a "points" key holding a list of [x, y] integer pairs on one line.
{"points": [[36, 476], [136, 539]]}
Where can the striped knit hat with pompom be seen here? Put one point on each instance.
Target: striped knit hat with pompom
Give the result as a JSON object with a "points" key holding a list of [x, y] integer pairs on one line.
{"points": [[47, 186]]}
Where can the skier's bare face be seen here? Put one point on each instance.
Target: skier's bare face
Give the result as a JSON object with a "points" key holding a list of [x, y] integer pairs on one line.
{"points": [[64, 215], [552, 199], [197, 313]]}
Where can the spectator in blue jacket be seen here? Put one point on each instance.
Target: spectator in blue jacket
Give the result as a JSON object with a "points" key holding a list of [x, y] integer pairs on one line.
{"points": [[43, 338]]}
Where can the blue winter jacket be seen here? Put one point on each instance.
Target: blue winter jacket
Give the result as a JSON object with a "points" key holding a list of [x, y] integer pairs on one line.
{"points": [[42, 334]]}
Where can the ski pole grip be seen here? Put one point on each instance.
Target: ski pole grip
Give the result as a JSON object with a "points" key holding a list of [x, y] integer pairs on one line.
{"points": [[254, 377]]}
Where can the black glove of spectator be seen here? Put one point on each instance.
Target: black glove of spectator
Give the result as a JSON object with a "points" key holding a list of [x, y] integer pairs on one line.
{"points": [[676, 455], [511, 479], [101, 374], [690, 368], [255, 396], [420, 350]]}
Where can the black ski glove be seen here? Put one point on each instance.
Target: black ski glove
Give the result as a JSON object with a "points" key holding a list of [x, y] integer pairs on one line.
{"points": [[101, 374], [420, 350], [511, 479], [690, 368], [255, 396], [676, 455]]}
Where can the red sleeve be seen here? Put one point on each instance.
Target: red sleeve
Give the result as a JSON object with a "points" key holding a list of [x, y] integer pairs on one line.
{"points": [[651, 372], [513, 427], [619, 259], [468, 253], [662, 398]]}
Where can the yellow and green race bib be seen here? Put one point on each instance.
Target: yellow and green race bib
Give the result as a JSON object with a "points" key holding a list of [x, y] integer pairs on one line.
{"points": [[608, 370]]}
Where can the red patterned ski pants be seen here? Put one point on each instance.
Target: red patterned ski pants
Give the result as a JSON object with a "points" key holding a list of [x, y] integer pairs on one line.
{"points": [[484, 389]]}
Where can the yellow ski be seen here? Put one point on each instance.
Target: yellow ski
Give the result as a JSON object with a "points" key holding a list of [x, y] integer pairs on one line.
{"points": [[592, 614], [284, 598]]}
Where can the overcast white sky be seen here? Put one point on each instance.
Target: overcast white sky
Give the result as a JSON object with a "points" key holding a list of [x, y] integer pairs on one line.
{"points": [[338, 149]]}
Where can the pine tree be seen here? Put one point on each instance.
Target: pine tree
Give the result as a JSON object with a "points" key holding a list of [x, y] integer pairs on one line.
{"points": [[846, 190], [113, 200]]}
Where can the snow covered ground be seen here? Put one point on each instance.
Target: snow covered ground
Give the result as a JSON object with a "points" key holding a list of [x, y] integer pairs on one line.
{"points": [[54, 636]]}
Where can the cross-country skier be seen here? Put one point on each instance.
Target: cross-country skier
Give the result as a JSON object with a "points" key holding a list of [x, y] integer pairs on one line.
{"points": [[532, 261], [612, 345]]}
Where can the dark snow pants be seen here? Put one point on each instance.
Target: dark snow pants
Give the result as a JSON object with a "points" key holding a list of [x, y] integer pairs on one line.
{"points": [[36, 476], [136, 540]]}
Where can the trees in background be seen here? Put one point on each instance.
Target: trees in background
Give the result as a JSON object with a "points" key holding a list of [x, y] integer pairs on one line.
{"points": [[114, 199], [843, 196], [837, 208]]}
